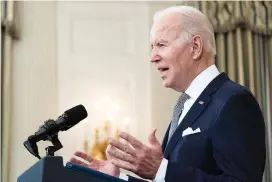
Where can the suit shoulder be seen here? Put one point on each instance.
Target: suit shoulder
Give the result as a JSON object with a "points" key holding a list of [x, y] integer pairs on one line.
{"points": [[232, 90], [238, 106]]}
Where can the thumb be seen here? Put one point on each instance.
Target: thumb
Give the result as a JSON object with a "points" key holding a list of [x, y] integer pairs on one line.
{"points": [[152, 138], [109, 157]]}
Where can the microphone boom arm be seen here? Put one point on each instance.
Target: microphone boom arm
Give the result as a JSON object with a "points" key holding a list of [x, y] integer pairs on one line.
{"points": [[31, 143], [50, 150]]}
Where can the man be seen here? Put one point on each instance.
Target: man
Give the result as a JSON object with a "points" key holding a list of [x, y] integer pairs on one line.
{"points": [[217, 132]]}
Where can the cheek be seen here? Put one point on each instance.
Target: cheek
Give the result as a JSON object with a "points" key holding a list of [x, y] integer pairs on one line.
{"points": [[180, 65], [175, 57], [166, 54], [183, 59], [170, 57]]}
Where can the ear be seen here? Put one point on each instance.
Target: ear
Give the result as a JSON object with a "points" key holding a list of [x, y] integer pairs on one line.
{"points": [[197, 47]]}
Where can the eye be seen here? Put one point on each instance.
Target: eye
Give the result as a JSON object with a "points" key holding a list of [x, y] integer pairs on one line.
{"points": [[160, 45]]}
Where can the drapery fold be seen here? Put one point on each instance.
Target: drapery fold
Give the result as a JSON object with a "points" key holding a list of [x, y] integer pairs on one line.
{"points": [[226, 16], [8, 34]]}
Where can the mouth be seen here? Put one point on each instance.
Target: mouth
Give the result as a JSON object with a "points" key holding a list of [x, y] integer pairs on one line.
{"points": [[162, 70]]}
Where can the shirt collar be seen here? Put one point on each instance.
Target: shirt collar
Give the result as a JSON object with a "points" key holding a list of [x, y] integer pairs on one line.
{"points": [[201, 81]]}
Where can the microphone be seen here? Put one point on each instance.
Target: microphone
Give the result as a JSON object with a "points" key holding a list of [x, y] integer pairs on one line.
{"points": [[50, 129], [64, 122]]}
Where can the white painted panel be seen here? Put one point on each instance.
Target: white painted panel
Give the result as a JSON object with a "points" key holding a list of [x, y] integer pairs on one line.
{"points": [[103, 55]]}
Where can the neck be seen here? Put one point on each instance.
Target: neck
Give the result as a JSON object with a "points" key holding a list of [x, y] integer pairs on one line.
{"points": [[200, 67]]}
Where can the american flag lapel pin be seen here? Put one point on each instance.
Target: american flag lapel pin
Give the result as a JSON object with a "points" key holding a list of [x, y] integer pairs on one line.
{"points": [[201, 102]]}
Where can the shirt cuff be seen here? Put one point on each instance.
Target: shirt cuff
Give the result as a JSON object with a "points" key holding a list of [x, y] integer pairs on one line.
{"points": [[160, 176], [123, 176]]}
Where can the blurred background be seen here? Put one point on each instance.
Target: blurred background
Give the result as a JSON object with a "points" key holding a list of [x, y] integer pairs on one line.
{"points": [[58, 54]]}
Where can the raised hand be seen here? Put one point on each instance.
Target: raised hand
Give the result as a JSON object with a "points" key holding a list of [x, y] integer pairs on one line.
{"points": [[98, 165], [143, 160]]}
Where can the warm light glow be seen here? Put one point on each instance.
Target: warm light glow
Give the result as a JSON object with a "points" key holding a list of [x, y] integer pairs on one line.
{"points": [[97, 106], [108, 108], [127, 121], [117, 108]]}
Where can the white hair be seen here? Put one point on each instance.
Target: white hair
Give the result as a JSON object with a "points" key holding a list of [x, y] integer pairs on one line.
{"points": [[193, 22]]}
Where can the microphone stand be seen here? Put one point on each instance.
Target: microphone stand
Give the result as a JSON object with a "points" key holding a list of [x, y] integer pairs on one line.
{"points": [[50, 150], [32, 147]]}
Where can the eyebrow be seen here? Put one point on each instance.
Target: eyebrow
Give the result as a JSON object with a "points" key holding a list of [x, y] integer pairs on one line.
{"points": [[161, 41]]}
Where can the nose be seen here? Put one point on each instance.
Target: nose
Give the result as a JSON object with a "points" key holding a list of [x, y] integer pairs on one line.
{"points": [[155, 57]]}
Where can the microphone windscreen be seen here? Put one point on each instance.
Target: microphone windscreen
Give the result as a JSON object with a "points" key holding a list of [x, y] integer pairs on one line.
{"points": [[76, 114]]}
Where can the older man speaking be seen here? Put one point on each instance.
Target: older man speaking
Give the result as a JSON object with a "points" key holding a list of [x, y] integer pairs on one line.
{"points": [[217, 131]]}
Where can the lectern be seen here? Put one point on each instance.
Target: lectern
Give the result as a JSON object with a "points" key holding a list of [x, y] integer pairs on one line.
{"points": [[52, 169]]}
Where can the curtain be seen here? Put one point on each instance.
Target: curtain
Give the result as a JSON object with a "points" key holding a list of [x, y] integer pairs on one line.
{"points": [[246, 57], [8, 34], [2, 17], [243, 32]]}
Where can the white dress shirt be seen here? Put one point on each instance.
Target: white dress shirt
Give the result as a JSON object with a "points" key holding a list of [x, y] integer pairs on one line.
{"points": [[194, 90]]}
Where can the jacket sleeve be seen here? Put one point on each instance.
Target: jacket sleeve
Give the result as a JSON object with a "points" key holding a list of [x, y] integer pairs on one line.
{"points": [[133, 179], [238, 140]]}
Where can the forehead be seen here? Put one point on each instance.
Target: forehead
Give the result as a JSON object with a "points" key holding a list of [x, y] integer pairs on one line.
{"points": [[166, 28]]}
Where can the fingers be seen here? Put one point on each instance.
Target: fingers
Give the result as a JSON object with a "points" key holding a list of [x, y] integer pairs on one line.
{"points": [[124, 165], [83, 156], [109, 157], [112, 151], [132, 140], [152, 138], [76, 161], [123, 147]]}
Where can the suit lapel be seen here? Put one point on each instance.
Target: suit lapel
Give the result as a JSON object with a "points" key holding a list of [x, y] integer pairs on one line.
{"points": [[188, 120], [195, 111], [165, 139]]}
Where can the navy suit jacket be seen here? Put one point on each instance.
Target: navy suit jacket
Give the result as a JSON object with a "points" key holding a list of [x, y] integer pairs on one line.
{"points": [[231, 144]]}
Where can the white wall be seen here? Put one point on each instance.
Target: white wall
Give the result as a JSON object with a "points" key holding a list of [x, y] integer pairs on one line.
{"points": [[103, 51], [36, 80]]}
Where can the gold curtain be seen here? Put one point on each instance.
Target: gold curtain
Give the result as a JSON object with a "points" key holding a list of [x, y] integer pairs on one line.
{"points": [[243, 32], [247, 57], [8, 34]]}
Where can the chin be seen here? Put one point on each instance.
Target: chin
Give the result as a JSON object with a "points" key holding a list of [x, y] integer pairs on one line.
{"points": [[167, 84]]}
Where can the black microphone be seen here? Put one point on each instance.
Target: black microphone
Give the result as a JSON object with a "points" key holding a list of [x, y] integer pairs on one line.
{"points": [[64, 122], [50, 128]]}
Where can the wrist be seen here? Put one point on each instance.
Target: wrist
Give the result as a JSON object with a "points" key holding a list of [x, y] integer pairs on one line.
{"points": [[159, 162]]}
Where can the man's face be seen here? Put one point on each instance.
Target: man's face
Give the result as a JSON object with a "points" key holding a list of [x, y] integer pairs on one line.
{"points": [[170, 56]]}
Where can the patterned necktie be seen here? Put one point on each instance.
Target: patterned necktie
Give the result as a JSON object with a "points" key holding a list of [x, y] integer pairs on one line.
{"points": [[177, 113]]}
